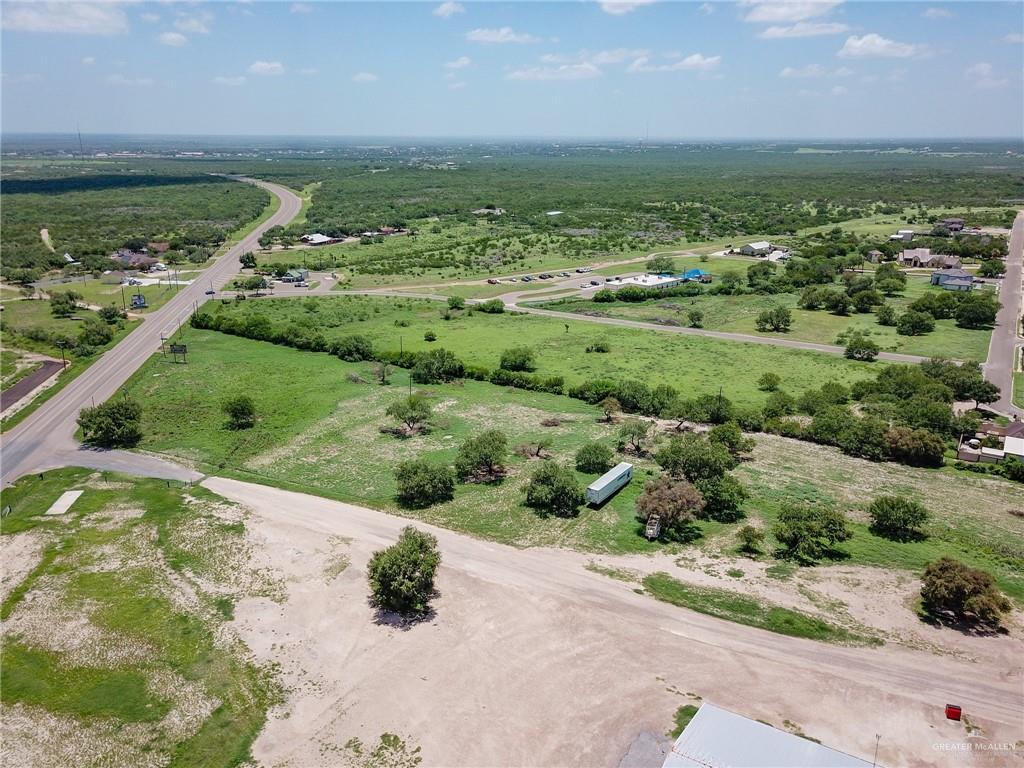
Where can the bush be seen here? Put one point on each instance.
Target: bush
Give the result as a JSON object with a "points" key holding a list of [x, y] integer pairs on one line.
{"points": [[976, 310], [730, 436], [750, 539], [896, 517], [778, 404], [676, 503], [64, 303], [402, 576], [456, 302], [114, 424], [696, 318], [241, 412], [860, 347], [951, 587], [518, 359], [482, 456], [353, 348], [437, 366], [886, 315], [723, 497], [600, 346], [429, 336], [809, 532], [778, 319], [914, 324], [695, 458], [769, 381], [422, 483], [109, 314], [412, 411], [553, 489], [491, 306], [594, 458], [916, 447], [95, 333]]}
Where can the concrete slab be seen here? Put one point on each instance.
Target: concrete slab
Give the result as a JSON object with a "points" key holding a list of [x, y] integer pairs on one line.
{"points": [[63, 504]]}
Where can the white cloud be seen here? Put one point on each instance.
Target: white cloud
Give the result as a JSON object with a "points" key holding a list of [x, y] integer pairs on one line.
{"points": [[364, 77], [874, 46], [150, 18], [843, 72], [811, 70], [501, 35], [88, 60], [229, 81], [456, 86], [622, 7], [460, 63], [584, 71], [937, 13], [600, 58], [804, 29], [707, 9], [982, 75], [197, 24], [769, 12], [448, 9], [839, 90], [119, 79], [1014, 37], [697, 62], [266, 68], [67, 18], [175, 39], [300, 8]]}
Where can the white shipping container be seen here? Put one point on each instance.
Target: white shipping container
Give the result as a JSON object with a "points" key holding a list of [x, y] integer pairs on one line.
{"points": [[609, 483]]}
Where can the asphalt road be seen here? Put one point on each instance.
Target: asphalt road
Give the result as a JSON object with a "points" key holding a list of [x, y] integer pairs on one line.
{"points": [[24, 386], [1005, 339], [45, 439]]}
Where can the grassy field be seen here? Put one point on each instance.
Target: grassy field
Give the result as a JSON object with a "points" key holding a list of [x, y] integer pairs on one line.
{"points": [[319, 432], [97, 293], [737, 314], [115, 630], [1018, 389], [693, 364]]}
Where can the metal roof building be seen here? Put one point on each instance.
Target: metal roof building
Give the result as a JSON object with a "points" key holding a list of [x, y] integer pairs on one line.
{"points": [[717, 738]]}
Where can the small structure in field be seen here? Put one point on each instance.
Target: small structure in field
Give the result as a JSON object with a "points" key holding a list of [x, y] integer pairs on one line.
{"points": [[874, 256], [903, 235], [760, 248], [645, 281], [610, 483], [318, 239], [953, 225], [485, 211]]}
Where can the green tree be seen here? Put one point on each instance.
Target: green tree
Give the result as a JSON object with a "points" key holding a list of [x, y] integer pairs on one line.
{"points": [[593, 458], [731, 436], [248, 260], [696, 318], [695, 458], [553, 489], [778, 404], [634, 433], [808, 532], [64, 303], [482, 456], [353, 348], [676, 503], [95, 333], [422, 482], [976, 310], [402, 576], [518, 359], [860, 347], [886, 314], [991, 268], [897, 517], [913, 323], [769, 381], [661, 264], [750, 539], [436, 367], [723, 497], [241, 412], [114, 424], [837, 302], [916, 447], [949, 587], [109, 314], [456, 302], [610, 406], [777, 319], [413, 411]]}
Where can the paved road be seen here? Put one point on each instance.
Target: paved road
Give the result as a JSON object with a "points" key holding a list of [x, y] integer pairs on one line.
{"points": [[25, 385], [893, 671], [45, 439], [1005, 338]]}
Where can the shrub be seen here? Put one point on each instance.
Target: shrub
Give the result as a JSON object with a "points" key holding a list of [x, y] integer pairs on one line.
{"points": [[750, 539], [241, 412], [64, 303], [634, 432], [109, 314], [422, 483], [353, 348], [553, 489], [723, 497], [610, 406], [913, 323], [896, 517], [604, 296], [491, 306], [730, 436], [778, 319], [778, 404], [600, 346], [916, 447], [769, 381], [886, 315], [860, 347], [951, 587], [437, 366], [518, 359], [402, 576], [594, 458], [95, 333], [808, 532], [429, 336], [676, 503], [482, 455], [696, 318], [456, 302], [412, 411], [695, 458], [114, 424]]}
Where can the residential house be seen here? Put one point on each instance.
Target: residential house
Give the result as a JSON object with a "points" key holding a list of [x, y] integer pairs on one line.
{"points": [[923, 257], [874, 256], [903, 235], [489, 212], [295, 276], [134, 260], [952, 279], [318, 239], [953, 225], [760, 248]]}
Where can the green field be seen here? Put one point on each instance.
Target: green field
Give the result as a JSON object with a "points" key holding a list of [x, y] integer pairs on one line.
{"points": [[125, 570], [319, 432], [693, 364], [97, 293], [736, 314]]}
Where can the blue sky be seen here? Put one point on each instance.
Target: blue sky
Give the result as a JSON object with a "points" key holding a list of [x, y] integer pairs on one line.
{"points": [[712, 70]]}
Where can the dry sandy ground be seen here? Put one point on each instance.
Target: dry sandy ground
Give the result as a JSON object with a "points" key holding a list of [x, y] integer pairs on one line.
{"points": [[531, 659]]}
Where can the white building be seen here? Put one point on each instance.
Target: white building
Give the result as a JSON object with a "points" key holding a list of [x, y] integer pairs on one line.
{"points": [[1014, 446], [760, 248], [645, 281]]}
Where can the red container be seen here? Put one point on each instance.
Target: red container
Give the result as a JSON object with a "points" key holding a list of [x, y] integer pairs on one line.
{"points": [[953, 712]]}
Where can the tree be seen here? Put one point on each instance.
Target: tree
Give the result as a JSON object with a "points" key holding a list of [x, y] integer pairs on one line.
{"points": [[982, 391], [95, 333], [610, 406], [553, 489], [777, 319], [422, 483], [896, 517], [808, 532], [437, 366], [731, 436], [402, 576], [976, 310], [456, 302], [491, 306], [889, 286], [64, 303], [696, 318], [248, 260], [769, 381], [109, 314], [913, 323], [750, 539], [723, 497], [429, 336], [519, 359], [813, 297], [114, 424], [661, 264], [241, 412], [886, 314], [413, 411], [778, 404], [593, 458], [482, 456], [865, 301], [633, 432], [353, 348], [837, 302], [951, 587], [695, 458], [991, 268], [676, 503], [916, 447], [860, 347]]}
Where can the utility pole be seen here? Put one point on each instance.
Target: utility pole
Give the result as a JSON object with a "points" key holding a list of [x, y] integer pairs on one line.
{"points": [[124, 304], [874, 761]]}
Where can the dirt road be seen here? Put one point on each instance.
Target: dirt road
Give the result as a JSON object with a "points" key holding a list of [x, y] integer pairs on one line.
{"points": [[46, 438], [534, 660], [1002, 348]]}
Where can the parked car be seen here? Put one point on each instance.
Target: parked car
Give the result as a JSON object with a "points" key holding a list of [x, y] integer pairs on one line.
{"points": [[492, 281], [527, 279], [545, 276], [210, 292], [595, 282], [563, 274], [513, 279]]}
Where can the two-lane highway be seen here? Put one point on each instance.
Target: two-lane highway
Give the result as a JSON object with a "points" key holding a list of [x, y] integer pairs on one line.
{"points": [[1002, 349], [45, 439]]}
